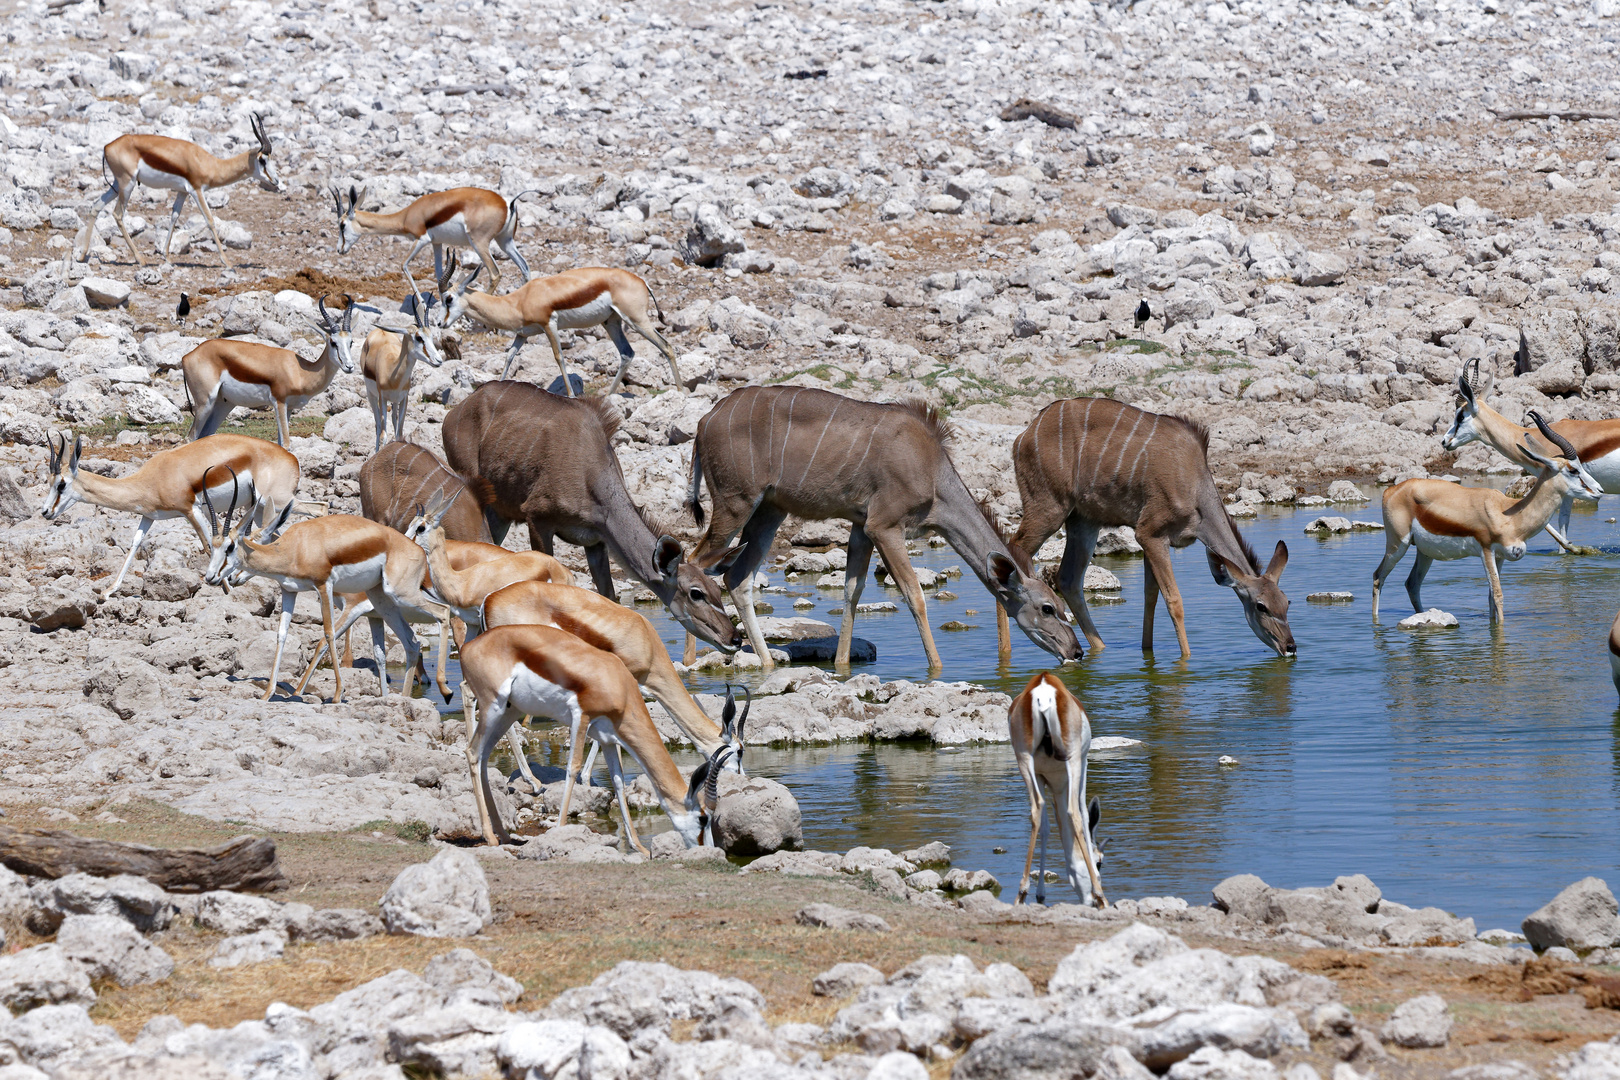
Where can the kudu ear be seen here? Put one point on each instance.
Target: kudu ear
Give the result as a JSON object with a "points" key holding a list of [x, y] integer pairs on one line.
{"points": [[1003, 572], [1278, 563], [1225, 571], [727, 560], [667, 556]]}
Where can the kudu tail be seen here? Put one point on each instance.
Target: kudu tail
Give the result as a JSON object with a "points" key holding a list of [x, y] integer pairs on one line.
{"points": [[693, 503]]}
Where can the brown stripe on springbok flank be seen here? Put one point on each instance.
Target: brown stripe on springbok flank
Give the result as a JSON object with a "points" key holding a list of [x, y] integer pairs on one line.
{"points": [[1605, 443], [571, 288], [353, 545], [165, 154], [1436, 521], [218, 471], [585, 631]]}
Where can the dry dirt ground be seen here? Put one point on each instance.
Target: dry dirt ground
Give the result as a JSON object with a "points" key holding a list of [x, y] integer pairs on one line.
{"points": [[557, 925]]}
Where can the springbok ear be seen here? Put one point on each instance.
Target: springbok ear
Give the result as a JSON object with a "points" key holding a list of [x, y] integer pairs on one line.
{"points": [[78, 450], [1093, 813], [1278, 563], [727, 560], [1524, 448], [667, 555], [1003, 572]]}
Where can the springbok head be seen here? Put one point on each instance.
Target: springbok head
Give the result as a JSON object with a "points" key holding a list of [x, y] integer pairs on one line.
{"points": [[223, 541], [348, 232], [696, 824], [455, 303], [695, 599], [429, 520], [420, 342], [64, 471], [1265, 605], [1582, 484], [731, 726], [1033, 606], [339, 339], [1465, 425], [264, 170]]}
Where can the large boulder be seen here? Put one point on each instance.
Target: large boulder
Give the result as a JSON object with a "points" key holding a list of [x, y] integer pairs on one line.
{"points": [[133, 899], [711, 238], [1583, 916], [108, 947], [1419, 1023], [42, 975], [756, 816], [446, 897]]}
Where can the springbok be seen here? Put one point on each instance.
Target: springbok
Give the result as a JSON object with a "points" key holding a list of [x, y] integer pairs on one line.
{"points": [[1596, 441], [546, 672], [760, 449], [1448, 521], [604, 624], [338, 553], [223, 373], [176, 165], [1086, 463], [177, 483], [460, 217], [1051, 736], [591, 296], [387, 360], [549, 461]]}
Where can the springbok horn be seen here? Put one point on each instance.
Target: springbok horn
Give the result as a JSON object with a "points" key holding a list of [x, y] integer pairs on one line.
{"points": [[258, 129], [348, 311], [1463, 387], [700, 776], [748, 703], [326, 316], [232, 508], [728, 715], [213, 521], [1553, 437], [56, 455], [711, 784]]}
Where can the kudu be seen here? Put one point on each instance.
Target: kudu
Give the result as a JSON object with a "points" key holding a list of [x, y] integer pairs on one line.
{"points": [[767, 452], [1051, 736], [548, 461], [1596, 441], [1086, 463], [1448, 521]]}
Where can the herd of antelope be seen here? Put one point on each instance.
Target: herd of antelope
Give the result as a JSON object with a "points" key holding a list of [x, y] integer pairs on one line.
{"points": [[426, 549]]}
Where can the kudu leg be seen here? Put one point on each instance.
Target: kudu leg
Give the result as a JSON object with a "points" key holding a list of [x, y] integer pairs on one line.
{"points": [[892, 546], [1414, 580], [689, 653], [1161, 577], [1080, 542], [757, 534], [857, 559]]}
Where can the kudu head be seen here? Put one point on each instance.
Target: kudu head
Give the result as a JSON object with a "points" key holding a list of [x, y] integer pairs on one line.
{"points": [[1265, 605], [337, 332], [1031, 603], [348, 232], [1465, 426], [695, 599], [264, 170], [60, 494], [1567, 467], [695, 822]]}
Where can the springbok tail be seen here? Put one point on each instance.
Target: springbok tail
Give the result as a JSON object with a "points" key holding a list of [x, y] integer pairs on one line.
{"points": [[1046, 730], [693, 503], [659, 308]]}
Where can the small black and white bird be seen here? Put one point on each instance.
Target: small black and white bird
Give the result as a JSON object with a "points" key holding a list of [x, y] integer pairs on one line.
{"points": [[182, 309], [1143, 313]]}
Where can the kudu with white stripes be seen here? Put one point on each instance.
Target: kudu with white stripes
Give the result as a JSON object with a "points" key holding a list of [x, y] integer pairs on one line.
{"points": [[549, 461], [1086, 463], [770, 451], [1596, 441]]}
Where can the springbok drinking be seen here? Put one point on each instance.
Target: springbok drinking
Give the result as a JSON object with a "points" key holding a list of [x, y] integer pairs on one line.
{"points": [[1051, 736]]}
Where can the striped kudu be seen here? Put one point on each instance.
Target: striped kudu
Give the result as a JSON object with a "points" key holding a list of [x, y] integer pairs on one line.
{"points": [[1086, 463], [1446, 521], [549, 461], [1051, 736], [1596, 441], [770, 451]]}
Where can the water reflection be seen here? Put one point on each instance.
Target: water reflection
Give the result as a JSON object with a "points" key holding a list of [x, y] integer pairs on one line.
{"points": [[1477, 768]]}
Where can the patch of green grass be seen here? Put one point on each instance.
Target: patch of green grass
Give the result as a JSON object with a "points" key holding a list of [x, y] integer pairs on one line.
{"points": [[415, 832], [1142, 346], [260, 424]]}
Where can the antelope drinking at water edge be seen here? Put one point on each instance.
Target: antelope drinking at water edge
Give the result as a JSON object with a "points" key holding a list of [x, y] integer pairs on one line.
{"points": [[1051, 736]]}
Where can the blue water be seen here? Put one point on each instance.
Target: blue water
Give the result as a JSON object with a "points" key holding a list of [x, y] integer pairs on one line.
{"points": [[1476, 769]]}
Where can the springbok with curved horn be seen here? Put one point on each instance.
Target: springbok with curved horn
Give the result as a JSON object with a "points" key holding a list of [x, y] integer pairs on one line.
{"points": [[1086, 463], [542, 671], [180, 166], [338, 553], [549, 461], [223, 373], [387, 360], [771, 451], [1596, 441], [463, 217], [1448, 521], [591, 296], [607, 625], [1051, 736], [177, 483]]}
